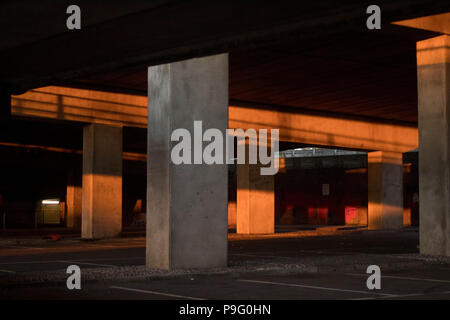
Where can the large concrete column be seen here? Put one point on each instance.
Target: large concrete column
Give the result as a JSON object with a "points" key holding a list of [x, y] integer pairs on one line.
{"points": [[102, 182], [385, 190], [74, 193], [255, 201], [433, 73], [187, 203]]}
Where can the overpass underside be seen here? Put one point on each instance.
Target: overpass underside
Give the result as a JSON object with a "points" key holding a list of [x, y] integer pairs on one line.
{"points": [[385, 92]]}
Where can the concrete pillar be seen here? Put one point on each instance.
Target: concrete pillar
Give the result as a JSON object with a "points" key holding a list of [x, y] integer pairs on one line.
{"points": [[433, 73], [255, 200], [385, 190], [187, 203], [102, 182], [74, 199]]}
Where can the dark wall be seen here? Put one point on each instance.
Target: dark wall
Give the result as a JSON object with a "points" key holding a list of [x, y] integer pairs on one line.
{"points": [[27, 176], [299, 194], [299, 198]]}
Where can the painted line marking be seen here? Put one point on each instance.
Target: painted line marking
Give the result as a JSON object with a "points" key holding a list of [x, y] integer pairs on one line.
{"points": [[26, 262], [445, 269], [113, 259], [156, 293], [314, 287], [330, 252], [87, 263], [61, 261], [401, 278], [260, 256], [403, 295], [20, 247], [7, 271]]}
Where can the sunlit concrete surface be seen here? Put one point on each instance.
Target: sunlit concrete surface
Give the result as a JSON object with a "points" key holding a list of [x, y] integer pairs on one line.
{"points": [[385, 184], [438, 23], [255, 201], [433, 73], [72, 104], [102, 182]]}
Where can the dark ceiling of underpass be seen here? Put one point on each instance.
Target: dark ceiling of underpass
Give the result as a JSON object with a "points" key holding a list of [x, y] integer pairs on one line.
{"points": [[369, 74]]}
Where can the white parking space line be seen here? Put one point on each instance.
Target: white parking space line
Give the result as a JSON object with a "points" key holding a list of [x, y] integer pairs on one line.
{"points": [[260, 256], [60, 261], [170, 295], [20, 247], [270, 254], [401, 278], [113, 259], [87, 263], [7, 271], [314, 287], [403, 295], [27, 262], [102, 246], [131, 244]]}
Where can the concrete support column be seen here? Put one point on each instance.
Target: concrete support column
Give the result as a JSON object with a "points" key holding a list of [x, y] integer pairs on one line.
{"points": [[74, 194], [187, 203], [385, 203], [433, 73], [102, 182], [255, 200]]}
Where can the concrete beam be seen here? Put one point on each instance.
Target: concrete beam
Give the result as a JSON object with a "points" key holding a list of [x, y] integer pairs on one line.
{"points": [[433, 73], [437, 23], [385, 190], [82, 105], [92, 106], [326, 130], [187, 203], [102, 182]]}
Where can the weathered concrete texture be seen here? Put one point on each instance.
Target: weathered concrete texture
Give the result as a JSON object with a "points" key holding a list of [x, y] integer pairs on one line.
{"points": [[385, 178], [110, 108], [255, 201], [406, 217], [438, 23], [88, 106], [321, 129], [74, 196], [433, 73], [187, 203], [232, 214], [102, 182]]}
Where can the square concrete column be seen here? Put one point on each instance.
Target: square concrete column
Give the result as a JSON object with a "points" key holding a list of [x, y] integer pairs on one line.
{"points": [[102, 182], [187, 203], [385, 190], [433, 73], [74, 193], [255, 200]]}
